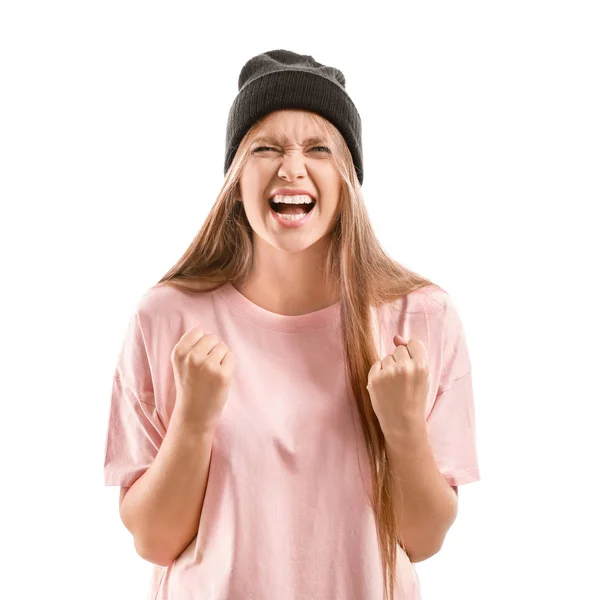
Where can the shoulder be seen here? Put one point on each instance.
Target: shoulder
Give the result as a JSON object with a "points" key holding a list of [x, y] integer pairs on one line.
{"points": [[432, 299], [427, 313], [161, 306], [158, 298], [428, 300]]}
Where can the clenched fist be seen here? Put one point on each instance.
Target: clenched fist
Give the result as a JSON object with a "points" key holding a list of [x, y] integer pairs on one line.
{"points": [[203, 367]]}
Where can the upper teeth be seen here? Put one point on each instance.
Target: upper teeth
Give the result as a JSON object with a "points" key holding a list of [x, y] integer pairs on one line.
{"points": [[304, 199]]}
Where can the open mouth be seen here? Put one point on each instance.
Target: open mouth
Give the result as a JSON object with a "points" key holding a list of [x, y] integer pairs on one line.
{"points": [[294, 209]]}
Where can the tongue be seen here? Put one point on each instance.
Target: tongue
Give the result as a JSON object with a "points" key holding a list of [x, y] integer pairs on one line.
{"points": [[290, 209]]}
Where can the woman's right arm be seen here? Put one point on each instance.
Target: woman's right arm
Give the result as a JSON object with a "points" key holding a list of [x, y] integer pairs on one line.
{"points": [[162, 509]]}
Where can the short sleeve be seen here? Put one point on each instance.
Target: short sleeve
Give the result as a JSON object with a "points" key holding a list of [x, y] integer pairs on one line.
{"points": [[451, 422], [135, 430]]}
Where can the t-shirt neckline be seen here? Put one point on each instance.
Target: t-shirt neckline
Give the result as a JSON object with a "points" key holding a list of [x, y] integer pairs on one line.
{"points": [[271, 320]]}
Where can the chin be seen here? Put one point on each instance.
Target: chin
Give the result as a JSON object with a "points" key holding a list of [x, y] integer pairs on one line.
{"points": [[296, 244], [294, 247]]}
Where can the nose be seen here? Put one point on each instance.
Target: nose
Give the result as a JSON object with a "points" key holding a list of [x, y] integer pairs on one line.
{"points": [[292, 166]]}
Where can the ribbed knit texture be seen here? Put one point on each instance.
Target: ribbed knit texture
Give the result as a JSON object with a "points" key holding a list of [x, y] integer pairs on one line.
{"points": [[281, 79]]}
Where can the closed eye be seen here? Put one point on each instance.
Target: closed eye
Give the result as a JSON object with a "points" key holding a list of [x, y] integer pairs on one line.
{"points": [[324, 148]]}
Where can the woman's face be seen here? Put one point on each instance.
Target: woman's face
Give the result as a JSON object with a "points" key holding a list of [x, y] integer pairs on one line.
{"points": [[289, 157]]}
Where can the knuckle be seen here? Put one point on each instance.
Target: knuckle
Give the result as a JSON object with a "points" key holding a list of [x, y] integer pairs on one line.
{"points": [[195, 358], [423, 366], [209, 365], [225, 374]]}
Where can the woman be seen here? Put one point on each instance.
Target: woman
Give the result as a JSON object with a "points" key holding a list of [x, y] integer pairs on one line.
{"points": [[263, 447]]}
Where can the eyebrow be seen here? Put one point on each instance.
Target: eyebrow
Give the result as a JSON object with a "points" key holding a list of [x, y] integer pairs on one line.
{"points": [[270, 139]]}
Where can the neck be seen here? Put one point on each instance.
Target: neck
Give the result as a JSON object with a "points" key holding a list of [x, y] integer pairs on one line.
{"points": [[289, 283]]}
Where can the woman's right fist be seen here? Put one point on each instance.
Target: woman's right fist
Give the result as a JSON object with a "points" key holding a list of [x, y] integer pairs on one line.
{"points": [[203, 367]]}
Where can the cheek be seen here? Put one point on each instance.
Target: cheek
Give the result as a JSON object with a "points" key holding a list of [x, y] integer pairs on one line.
{"points": [[332, 198], [254, 177]]}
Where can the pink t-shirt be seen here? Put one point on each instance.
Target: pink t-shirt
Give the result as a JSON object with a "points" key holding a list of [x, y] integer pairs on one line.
{"points": [[287, 511]]}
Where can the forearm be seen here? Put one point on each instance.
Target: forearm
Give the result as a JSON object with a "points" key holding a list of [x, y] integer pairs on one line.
{"points": [[162, 509], [425, 504]]}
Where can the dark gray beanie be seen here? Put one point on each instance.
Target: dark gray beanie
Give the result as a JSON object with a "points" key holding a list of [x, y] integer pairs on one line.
{"points": [[281, 79]]}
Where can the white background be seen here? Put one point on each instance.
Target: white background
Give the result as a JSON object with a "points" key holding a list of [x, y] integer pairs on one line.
{"points": [[477, 155]]}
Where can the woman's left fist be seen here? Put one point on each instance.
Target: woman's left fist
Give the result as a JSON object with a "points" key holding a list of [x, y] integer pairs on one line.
{"points": [[398, 386]]}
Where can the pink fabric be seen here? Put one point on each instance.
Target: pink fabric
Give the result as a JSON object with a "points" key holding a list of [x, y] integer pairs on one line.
{"points": [[287, 512]]}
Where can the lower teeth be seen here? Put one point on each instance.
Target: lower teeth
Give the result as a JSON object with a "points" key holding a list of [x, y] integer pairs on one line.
{"points": [[292, 217]]}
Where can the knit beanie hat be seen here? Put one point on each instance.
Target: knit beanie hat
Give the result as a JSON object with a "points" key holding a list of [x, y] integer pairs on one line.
{"points": [[281, 79]]}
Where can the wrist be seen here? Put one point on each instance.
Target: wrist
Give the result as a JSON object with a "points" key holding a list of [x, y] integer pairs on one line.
{"points": [[406, 431], [188, 428]]}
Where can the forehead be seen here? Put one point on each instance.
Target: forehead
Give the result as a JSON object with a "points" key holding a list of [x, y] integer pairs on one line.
{"points": [[288, 127]]}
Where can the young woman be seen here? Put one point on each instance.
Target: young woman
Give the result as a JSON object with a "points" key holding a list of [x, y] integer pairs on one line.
{"points": [[292, 410]]}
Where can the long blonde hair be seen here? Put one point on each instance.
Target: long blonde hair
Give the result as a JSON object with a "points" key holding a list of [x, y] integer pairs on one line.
{"points": [[366, 276]]}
